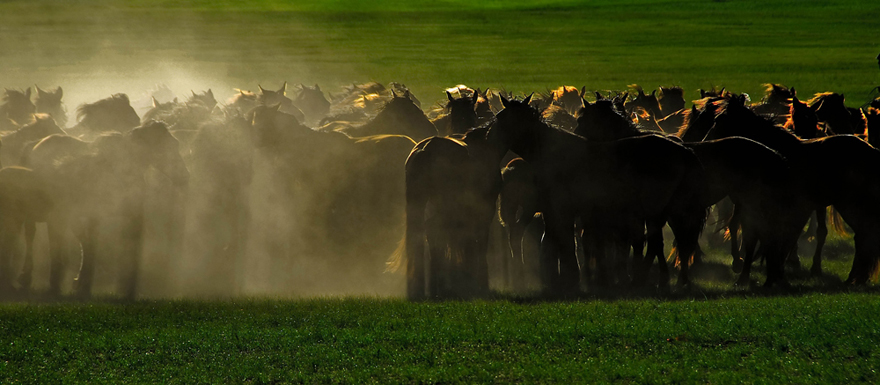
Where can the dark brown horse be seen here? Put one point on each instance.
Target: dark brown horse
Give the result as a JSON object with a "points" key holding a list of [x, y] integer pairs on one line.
{"points": [[775, 104], [451, 189], [606, 183], [836, 116], [808, 160], [399, 116]]}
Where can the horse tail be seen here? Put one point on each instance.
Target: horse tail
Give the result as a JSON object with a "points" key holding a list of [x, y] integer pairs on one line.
{"points": [[835, 221], [379, 138]]}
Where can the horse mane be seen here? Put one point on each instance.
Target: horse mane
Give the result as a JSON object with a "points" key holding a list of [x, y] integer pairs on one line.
{"points": [[84, 110], [820, 97]]}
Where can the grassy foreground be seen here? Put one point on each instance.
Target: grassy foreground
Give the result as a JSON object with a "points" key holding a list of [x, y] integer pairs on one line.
{"points": [[814, 338]]}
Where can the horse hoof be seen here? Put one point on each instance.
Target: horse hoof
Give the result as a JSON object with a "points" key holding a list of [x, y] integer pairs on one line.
{"points": [[737, 265]]}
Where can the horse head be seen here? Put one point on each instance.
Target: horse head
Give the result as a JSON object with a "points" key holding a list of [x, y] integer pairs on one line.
{"points": [[205, 99], [671, 99], [462, 112], [155, 144]]}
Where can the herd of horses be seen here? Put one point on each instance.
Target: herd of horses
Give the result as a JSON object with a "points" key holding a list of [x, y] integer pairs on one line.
{"points": [[333, 177]]}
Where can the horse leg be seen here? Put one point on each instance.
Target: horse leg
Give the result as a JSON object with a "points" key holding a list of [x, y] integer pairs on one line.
{"points": [[750, 243], [58, 244], [10, 229], [559, 268], [88, 238], [439, 271], [687, 228], [27, 271], [821, 234], [733, 230], [133, 243]]}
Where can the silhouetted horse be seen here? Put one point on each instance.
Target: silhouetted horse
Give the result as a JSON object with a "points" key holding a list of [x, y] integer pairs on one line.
{"points": [[808, 160], [24, 200], [271, 98], [14, 142], [313, 104], [16, 110], [671, 100], [569, 98], [775, 104], [837, 118], [49, 102], [648, 102], [400, 116], [873, 117], [802, 121], [609, 183], [243, 101], [451, 190], [89, 181], [518, 206], [113, 114]]}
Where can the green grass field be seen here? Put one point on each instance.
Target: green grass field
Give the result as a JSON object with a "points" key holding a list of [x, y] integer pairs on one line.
{"points": [[813, 338], [813, 333], [100, 46]]}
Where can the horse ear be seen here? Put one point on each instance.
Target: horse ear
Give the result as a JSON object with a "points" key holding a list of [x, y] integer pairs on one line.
{"points": [[406, 94], [59, 92], [175, 100], [262, 91], [641, 92], [583, 91], [586, 102], [503, 100], [27, 92], [793, 92], [193, 92], [316, 87], [654, 93], [39, 91], [283, 90], [210, 93], [529, 98], [598, 96], [155, 102], [449, 96], [393, 94]]}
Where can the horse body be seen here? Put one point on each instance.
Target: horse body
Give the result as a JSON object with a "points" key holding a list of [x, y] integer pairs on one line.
{"points": [[113, 114], [89, 181], [601, 181]]}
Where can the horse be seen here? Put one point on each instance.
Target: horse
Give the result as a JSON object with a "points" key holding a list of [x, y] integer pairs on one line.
{"points": [[517, 207], [14, 142], [750, 183], [89, 181], [873, 117], [569, 98], [243, 101], [113, 114], [808, 192], [49, 102], [802, 120], [451, 190], [647, 102], [838, 119], [775, 104], [671, 100], [313, 104], [602, 182], [399, 116], [16, 110], [24, 200], [271, 98], [327, 192]]}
